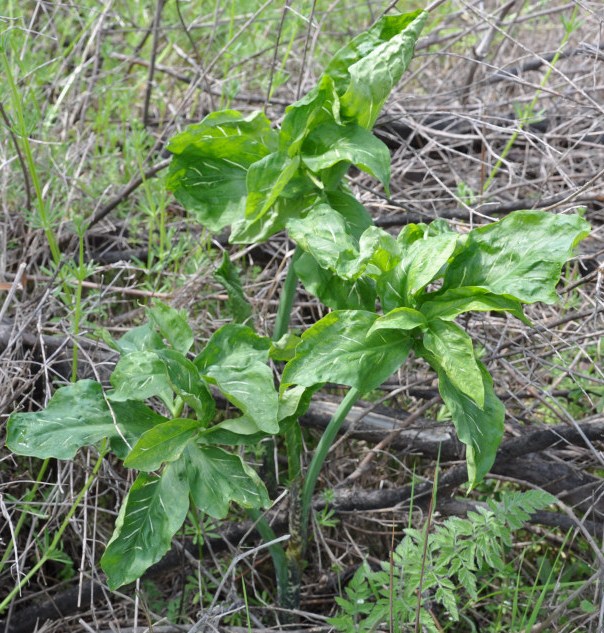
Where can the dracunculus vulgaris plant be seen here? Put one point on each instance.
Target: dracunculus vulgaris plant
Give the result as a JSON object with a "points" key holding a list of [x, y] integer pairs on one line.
{"points": [[389, 295]]}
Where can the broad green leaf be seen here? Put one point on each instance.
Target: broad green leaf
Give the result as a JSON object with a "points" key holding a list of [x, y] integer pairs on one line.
{"points": [[285, 348], [150, 516], [333, 291], [520, 256], [227, 134], [133, 418], [423, 259], [479, 429], [209, 169], [454, 352], [364, 44], [233, 344], [345, 203], [373, 77], [173, 326], [331, 144], [77, 415], [142, 338], [228, 276], [451, 303], [379, 251], [323, 233], [266, 180], [294, 202], [213, 190], [185, 380], [293, 402], [411, 233], [321, 104], [400, 319], [216, 478], [235, 361], [391, 289], [138, 376], [234, 432], [338, 349], [251, 389], [163, 443]]}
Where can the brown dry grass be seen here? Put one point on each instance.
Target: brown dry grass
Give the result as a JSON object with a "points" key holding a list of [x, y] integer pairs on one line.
{"points": [[99, 119]]}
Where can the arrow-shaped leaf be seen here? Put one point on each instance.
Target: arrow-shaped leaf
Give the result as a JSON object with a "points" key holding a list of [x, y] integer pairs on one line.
{"points": [[150, 516], [339, 349], [216, 478]]}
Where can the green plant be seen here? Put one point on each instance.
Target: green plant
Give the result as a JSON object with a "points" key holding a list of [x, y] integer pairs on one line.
{"points": [[235, 170], [446, 563]]}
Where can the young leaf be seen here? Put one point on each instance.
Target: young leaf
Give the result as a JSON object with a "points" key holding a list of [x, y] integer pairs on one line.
{"points": [[333, 291], [373, 77], [294, 202], [216, 478], [454, 352], [163, 443], [173, 326], [480, 429], [209, 169], [423, 259], [520, 256], [285, 348], [228, 276], [266, 180], [451, 303], [330, 144], [235, 361], [364, 44], [356, 215], [400, 319], [185, 380], [138, 376], [142, 338], [323, 233], [150, 516], [251, 389], [77, 415], [321, 104], [379, 252], [338, 349], [234, 432]]}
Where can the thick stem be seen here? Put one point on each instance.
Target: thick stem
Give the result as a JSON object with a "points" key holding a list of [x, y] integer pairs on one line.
{"points": [[321, 451], [288, 294]]}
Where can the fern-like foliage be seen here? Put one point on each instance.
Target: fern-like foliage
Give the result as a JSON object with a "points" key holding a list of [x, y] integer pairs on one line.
{"points": [[456, 552]]}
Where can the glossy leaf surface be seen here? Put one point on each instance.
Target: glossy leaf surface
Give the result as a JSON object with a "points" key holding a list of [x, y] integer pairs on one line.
{"points": [[216, 478], [520, 256], [454, 352], [150, 516], [77, 415], [338, 349]]}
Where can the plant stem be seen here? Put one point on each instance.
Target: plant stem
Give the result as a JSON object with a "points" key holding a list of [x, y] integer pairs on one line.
{"points": [[276, 551], [321, 451], [286, 301], [288, 564], [29, 159], [59, 534], [26, 499], [77, 315]]}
